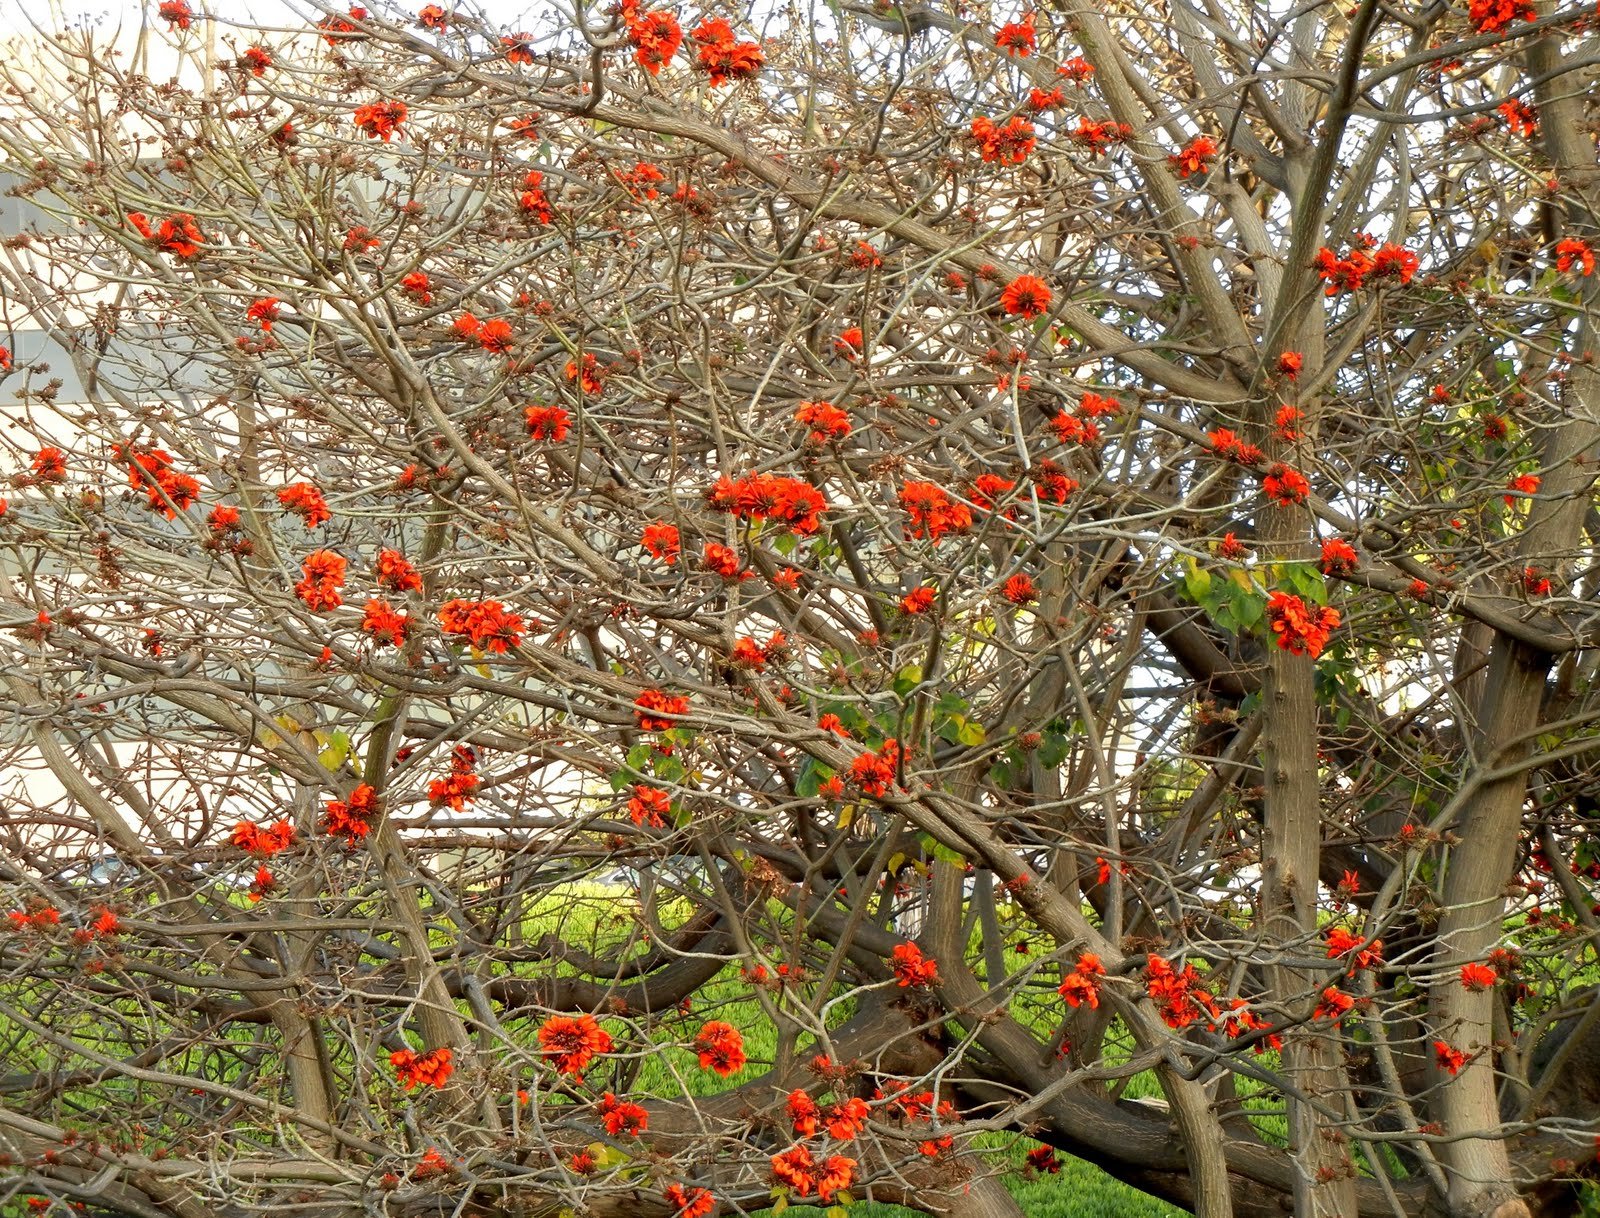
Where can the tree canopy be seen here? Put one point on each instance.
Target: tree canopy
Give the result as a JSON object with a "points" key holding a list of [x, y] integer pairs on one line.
{"points": [[669, 610]]}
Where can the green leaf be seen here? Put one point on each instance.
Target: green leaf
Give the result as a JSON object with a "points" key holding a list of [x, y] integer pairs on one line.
{"points": [[1053, 750], [907, 679], [639, 756], [970, 732], [338, 749]]}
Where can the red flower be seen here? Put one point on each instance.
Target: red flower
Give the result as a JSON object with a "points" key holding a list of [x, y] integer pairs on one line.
{"points": [[933, 512], [359, 240], [460, 787], [827, 421], [572, 1042], [645, 174], [1362, 953], [846, 1120], [337, 29], [176, 13], [1338, 557], [305, 501], [150, 470], [1082, 985], [1478, 977], [721, 57], [1522, 484], [1008, 145], [50, 464], [690, 1205], [323, 576], [1447, 1057], [1300, 628], [5, 359], [918, 600], [587, 374], [263, 312], [720, 1048], [1230, 447], [661, 540], [1019, 590], [432, 1164], [383, 624], [722, 560], [803, 1112], [654, 35], [263, 842], [621, 1116], [380, 120], [430, 1069], [1077, 69], [876, 772], [351, 818], [1286, 423], [548, 424], [913, 970], [653, 704], [518, 47], [1177, 993], [533, 202], [1027, 295], [1098, 136], [1521, 118], [396, 573], [848, 344], [1335, 1005], [485, 623], [1535, 582], [1040, 101], [1394, 261], [1573, 253], [1491, 16], [1345, 274], [416, 285], [649, 806], [1017, 38], [1285, 486], [1042, 1159], [1290, 364], [432, 17], [1194, 157]]}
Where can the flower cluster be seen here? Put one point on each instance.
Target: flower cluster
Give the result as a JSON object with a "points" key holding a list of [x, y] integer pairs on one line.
{"points": [[720, 56], [1007, 145], [1338, 557], [1017, 38], [661, 540], [351, 818], [383, 624], [1194, 157], [826, 421], [1447, 1057], [1177, 993], [306, 502], [547, 424], [1301, 629], [933, 511], [263, 842], [460, 786], [622, 1117], [150, 470], [1285, 486], [380, 120], [792, 502], [1361, 953], [571, 1042], [748, 653], [798, 1170], [486, 624], [322, 576], [720, 1048], [1350, 273], [654, 35], [1082, 984], [1099, 136], [653, 704], [649, 806], [178, 235], [912, 968], [1027, 296], [1019, 589], [1492, 16], [696, 1204], [1227, 445], [430, 1069], [1573, 254], [396, 573], [876, 772]]}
